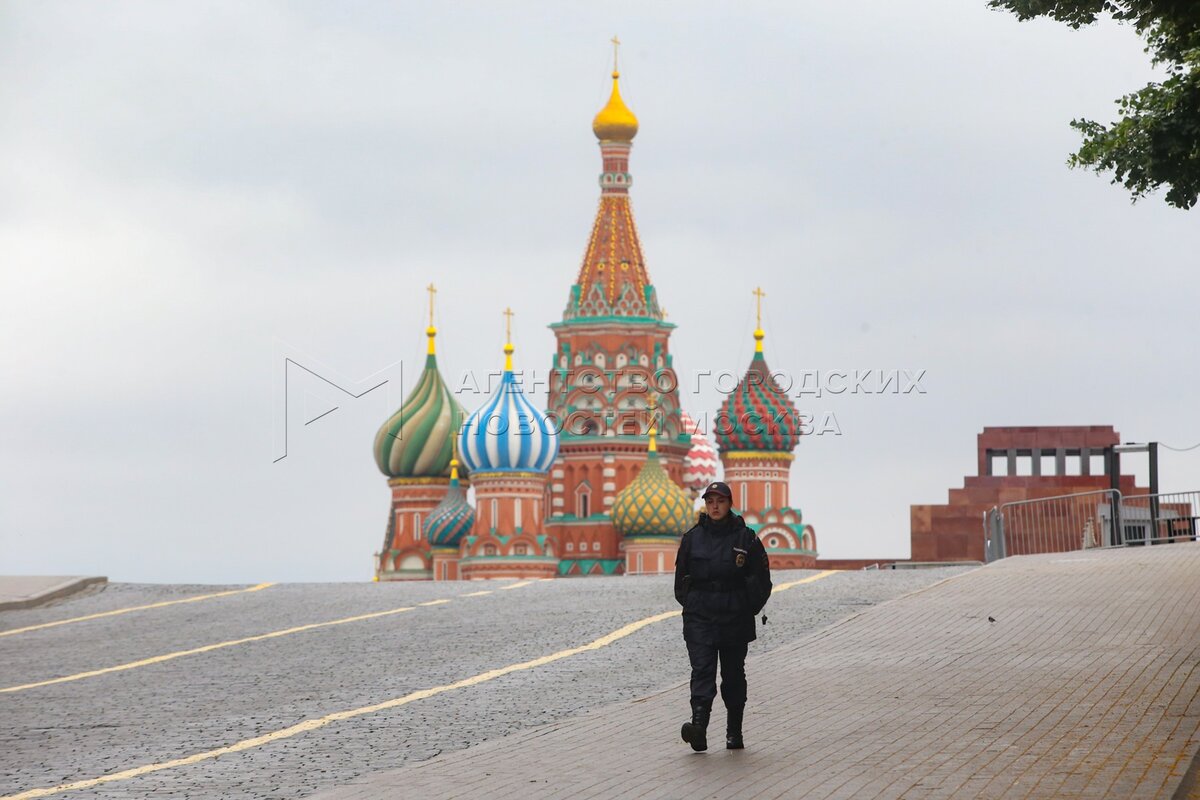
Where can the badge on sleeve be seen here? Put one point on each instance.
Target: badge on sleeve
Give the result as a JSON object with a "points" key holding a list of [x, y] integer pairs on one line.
{"points": [[740, 558]]}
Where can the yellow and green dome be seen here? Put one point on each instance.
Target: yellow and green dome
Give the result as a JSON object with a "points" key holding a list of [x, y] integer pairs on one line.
{"points": [[417, 441], [652, 504]]}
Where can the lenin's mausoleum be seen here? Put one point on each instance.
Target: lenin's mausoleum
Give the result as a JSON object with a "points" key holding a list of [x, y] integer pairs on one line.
{"points": [[604, 481]]}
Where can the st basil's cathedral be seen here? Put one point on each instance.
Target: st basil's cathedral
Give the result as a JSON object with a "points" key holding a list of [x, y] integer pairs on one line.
{"points": [[606, 479]]}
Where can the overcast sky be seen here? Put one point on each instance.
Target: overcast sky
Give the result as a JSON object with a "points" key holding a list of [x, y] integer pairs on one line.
{"points": [[192, 193]]}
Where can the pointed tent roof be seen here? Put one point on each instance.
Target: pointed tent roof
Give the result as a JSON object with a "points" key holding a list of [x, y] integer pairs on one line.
{"points": [[613, 280]]}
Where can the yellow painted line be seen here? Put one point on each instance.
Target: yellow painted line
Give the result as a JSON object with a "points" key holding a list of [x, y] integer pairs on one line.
{"points": [[478, 594], [131, 609], [783, 587], [145, 662], [517, 585], [321, 722]]}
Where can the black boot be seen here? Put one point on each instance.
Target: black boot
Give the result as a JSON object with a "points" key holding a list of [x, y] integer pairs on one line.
{"points": [[733, 729], [695, 732]]}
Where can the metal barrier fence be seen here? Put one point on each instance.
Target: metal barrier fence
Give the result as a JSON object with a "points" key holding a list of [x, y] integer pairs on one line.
{"points": [[1052, 524], [1160, 518], [1089, 520]]}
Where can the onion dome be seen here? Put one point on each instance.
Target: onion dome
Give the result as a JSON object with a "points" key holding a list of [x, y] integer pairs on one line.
{"points": [[652, 504], [453, 517], [417, 441], [758, 415], [508, 434], [700, 464], [615, 122]]}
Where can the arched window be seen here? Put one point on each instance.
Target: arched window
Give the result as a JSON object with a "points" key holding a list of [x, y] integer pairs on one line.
{"points": [[583, 500], [742, 497], [767, 502], [495, 513]]}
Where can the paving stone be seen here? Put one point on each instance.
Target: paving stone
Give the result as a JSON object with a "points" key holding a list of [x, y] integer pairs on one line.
{"points": [[1085, 686], [86, 728]]}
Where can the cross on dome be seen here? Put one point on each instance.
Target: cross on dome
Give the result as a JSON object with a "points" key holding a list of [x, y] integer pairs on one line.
{"points": [[615, 122], [759, 294]]}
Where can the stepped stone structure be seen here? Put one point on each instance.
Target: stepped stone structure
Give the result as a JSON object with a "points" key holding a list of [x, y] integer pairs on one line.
{"points": [[954, 531]]}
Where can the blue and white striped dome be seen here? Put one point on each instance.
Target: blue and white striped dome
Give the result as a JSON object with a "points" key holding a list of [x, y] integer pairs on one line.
{"points": [[508, 434]]}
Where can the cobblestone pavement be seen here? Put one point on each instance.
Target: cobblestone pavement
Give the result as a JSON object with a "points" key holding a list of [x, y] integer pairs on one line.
{"points": [[82, 729], [1067, 675]]}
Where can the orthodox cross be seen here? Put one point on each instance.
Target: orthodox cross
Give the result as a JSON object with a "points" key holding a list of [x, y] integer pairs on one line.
{"points": [[508, 315], [615, 43], [432, 291], [759, 294]]}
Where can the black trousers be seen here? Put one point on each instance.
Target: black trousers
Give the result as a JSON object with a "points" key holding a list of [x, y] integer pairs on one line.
{"points": [[704, 658]]}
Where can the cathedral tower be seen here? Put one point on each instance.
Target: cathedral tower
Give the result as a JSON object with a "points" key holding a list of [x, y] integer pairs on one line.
{"points": [[611, 354], [650, 514], [757, 429], [413, 448], [508, 446]]}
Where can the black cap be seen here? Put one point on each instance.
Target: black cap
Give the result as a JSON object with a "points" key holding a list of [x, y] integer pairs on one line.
{"points": [[718, 487]]}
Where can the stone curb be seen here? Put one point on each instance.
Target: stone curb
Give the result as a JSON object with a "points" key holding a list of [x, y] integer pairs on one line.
{"points": [[67, 587]]}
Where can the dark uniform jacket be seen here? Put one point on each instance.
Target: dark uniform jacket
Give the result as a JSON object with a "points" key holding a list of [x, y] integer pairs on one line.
{"points": [[722, 580]]}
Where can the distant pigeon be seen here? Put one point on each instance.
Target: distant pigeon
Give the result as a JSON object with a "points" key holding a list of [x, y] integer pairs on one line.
{"points": [[991, 619]]}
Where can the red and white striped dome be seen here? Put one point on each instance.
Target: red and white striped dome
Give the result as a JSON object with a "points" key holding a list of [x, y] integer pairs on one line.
{"points": [[700, 466]]}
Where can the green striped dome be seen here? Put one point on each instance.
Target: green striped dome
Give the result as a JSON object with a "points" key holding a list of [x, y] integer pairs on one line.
{"points": [[652, 504], [416, 441]]}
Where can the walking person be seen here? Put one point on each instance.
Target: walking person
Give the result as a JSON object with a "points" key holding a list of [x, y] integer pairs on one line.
{"points": [[722, 580]]}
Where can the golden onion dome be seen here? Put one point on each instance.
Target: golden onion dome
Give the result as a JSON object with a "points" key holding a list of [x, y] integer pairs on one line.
{"points": [[615, 122]]}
